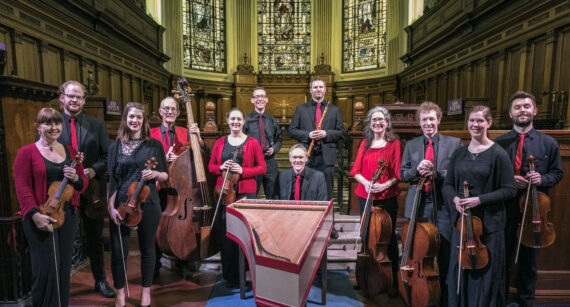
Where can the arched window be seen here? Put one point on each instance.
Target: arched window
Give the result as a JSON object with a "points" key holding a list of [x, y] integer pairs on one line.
{"points": [[284, 36], [204, 38], [364, 35]]}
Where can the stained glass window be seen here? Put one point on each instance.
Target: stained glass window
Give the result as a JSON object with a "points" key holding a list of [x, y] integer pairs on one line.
{"points": [[364, 35], [204, 35], [284, 36]]}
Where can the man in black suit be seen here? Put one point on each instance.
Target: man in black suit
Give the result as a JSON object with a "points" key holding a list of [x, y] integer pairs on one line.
{"points": [[417, 163], [89, 136], [300, 182], [304, 125]]}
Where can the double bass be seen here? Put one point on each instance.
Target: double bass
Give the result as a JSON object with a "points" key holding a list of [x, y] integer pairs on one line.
{"points": [[418, 280], [472, 254], [535, 231], [184, 230], [373, 267]]}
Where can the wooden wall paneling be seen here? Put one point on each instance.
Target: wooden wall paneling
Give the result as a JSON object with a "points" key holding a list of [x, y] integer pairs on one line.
{"points": [[538, 58], [127, 89], [513, 77], [7, 39], [549, 61], [29, 61], [137, 90], [71, 66], [562, 77], [115, 84], [52, 65]]}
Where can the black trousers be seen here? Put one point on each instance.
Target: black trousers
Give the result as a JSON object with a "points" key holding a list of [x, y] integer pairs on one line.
{"points": [[146, 231], [44, 274], [229, 250], [268, 179], [526, 268], [94, 244], [317, 162], [391, 206]]}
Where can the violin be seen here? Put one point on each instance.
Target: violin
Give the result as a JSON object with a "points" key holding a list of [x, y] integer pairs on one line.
{"points": [[535, 231], [373, 267], [418, 280], [130, 211], [226, 191], [59, 193], [471, 254]]}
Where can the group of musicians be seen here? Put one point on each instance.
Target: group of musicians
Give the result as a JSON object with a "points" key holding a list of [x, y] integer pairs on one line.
{"points": [[497, 172]]}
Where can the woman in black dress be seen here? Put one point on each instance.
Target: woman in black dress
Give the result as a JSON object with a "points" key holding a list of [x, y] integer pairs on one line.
{"points": [[487, 169], [126, 164], [36, 167]]}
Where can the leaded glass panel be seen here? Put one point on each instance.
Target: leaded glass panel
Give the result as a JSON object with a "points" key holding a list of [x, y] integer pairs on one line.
{"points": [[204, 35], [364, 35], [284, 36]]}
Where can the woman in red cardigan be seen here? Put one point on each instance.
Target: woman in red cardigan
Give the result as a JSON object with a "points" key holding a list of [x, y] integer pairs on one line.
{"points": [[36, 167], [249, 163], [379, 142]]}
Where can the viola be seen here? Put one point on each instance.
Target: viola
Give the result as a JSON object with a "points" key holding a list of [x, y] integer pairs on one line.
{"points": [[472, 253], [418, 281], [373, 267], [184, 230], [535, 231], [130, 211], [59, 193]]}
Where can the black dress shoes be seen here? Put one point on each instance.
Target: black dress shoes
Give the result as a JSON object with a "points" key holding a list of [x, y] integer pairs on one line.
{"points": [[104, 288]]}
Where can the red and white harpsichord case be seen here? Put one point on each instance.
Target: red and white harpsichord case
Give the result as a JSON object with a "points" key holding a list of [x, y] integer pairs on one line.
{"points": [[284, 242]]}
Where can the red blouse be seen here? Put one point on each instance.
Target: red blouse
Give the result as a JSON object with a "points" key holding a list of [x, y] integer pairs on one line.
{"points": [[366, 163], [30, 178], [253, 164]]}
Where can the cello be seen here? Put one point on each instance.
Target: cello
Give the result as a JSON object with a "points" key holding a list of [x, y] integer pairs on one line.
{"points": [[373, 267], [187, 232], [535, 231], [471, 254], [59, 193], [418, 280]]}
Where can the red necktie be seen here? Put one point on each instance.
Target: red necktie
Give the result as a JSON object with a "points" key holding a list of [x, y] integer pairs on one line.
{"points": [[298, 187], [518, 156], [73, 134], [166, 143], [429, 155], [261, 132], [318, 118]]}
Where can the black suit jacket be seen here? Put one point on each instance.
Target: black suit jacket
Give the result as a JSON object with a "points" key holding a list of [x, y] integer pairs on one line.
{"points": [[93, 141], [313, 187], [303, 123]]}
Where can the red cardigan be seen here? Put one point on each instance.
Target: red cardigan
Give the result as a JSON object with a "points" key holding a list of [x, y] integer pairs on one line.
{"points": [[366, 163], [253, 164], [30, 178]]}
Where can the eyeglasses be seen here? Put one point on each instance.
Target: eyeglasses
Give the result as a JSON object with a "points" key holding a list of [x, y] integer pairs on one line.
{"points": [[69, 96], [171, 109], [259, 96], [377, 120]]}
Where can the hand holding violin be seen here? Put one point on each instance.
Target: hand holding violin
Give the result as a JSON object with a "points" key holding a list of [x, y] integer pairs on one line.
{"points": [[462, 204], [232, 167], [70, 173]]}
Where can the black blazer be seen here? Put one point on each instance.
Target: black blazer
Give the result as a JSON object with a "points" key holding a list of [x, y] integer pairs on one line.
{"points": [[303, 123], [93, 141], [314, 186]]}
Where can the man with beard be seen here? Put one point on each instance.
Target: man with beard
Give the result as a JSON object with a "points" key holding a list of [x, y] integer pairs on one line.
{"points": [[89, 136], [269, 138], [520, 143], [419, 160]]}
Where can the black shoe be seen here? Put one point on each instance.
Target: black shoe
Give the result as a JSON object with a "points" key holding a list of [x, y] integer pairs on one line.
{"points": [[334, 234], [393, 292], [104, 288]]}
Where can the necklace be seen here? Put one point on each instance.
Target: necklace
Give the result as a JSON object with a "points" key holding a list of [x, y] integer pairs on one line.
{"points": [[130, 146], [473, 156]]}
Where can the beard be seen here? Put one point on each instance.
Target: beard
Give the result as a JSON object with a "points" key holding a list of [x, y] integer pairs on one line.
{"points": [[521, 123]]}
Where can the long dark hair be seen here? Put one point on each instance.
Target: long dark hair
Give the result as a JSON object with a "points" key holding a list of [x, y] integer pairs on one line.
{"points": [[124, 133], [369, 134]]}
